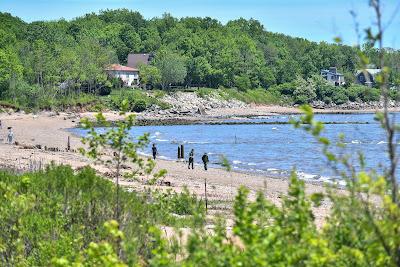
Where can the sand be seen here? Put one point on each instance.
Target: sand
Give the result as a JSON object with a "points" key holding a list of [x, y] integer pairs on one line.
{"points": [[50, 129]]}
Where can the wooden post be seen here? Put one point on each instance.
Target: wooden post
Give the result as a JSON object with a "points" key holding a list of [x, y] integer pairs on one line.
{"points": [[179, 152], [182, 152], [205, 193]]}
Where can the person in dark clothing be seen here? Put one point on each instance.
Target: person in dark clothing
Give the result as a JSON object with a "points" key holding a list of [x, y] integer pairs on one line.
{"points": [[204, 158], [154, 150], [191, 159]]}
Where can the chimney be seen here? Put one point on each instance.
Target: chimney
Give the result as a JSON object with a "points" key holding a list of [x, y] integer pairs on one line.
{"points": [[333, 69]]}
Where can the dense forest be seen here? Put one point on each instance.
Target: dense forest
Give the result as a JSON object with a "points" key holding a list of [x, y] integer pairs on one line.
{"points": [[49, 59]]}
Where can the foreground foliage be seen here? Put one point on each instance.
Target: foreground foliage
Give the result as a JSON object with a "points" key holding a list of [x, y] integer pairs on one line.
{"points": [[58, 213]]}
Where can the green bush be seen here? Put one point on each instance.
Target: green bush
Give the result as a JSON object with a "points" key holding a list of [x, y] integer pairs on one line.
{"points": [[394, 94], [138, 99], [242, 83], [57, 214], [339, 96], [370, 94], [105, 89], [139, 105]]}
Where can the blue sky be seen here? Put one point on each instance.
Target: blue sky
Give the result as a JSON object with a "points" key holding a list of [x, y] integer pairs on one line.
{"points": [[317, 20]]}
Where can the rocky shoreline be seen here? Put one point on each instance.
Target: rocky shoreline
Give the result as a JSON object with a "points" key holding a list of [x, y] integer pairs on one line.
{"points": [[189, 108]]}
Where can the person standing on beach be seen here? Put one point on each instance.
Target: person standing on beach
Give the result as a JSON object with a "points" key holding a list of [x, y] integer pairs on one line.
{"points": [[154, 150], [204, 158], [10, 136], [191, 159]]}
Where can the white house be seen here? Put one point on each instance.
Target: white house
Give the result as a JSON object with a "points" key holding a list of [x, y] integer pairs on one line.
{"points": [[130, 76], [333, 76]]}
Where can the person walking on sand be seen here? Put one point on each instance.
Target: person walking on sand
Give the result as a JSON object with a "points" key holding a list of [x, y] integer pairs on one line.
{"points": [[10, 136], [204, 158], [154, 150], [191, 159]]}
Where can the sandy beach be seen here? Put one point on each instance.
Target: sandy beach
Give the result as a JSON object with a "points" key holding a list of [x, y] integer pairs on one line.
{"points": [[50, 129]]}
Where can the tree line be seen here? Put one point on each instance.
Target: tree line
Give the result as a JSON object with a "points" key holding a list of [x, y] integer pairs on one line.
{"points": [[51, 58]]}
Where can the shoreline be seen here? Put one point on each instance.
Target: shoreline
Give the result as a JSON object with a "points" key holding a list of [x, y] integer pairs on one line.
{"points": [[52, 130]]}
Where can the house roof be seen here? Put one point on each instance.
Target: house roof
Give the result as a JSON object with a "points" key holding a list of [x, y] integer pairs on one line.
{"points": [[134, 60], [118, 67], [328, 71], [373, 72]]}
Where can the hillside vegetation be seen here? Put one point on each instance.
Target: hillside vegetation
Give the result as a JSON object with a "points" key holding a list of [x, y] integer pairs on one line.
{"points": [[46, 64]]}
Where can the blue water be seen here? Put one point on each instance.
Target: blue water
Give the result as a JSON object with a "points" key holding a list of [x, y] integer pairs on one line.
{"points": [[272, 149]]}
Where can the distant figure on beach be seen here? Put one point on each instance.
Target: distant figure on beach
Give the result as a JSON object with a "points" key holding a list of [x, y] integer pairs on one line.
{"points": [[154, 150], [191, 159], [204, 158], [10, 136], [0, 125]]}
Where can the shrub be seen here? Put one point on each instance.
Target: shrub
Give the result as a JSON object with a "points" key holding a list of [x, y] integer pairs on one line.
{"points": [[339, 96], [139, 105], [370, 94], [105, 89], [242, 83], [354, 92]]}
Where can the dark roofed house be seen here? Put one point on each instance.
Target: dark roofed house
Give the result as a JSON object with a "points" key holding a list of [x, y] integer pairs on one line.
{"points": [[134, 60], [367, 77]]}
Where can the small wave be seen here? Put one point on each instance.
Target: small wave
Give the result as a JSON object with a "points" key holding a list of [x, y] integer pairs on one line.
{"points": [[308, 176], [272, 170], [274, 128], [381, 142], [162, 140], [143, 154], [356, 142], [157, 133], [251, 164], [236, 162], [198, 142]]}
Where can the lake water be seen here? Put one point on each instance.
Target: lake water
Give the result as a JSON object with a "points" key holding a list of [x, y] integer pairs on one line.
{"points": [[271, 149]]}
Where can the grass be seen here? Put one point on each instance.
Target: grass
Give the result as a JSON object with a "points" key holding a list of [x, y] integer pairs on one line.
{"points": [[256, 96], [135, 97]]}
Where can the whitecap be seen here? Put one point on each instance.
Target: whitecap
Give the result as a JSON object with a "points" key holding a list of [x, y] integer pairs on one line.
{"points": [[274, 128], [157, 133], [356, 142], [236, 162], [307, 176], [381, 142], [251, 164], [162, 140], [143, 154]]}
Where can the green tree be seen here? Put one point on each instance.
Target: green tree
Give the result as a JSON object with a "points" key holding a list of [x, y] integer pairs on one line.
{"points": [[304, 91], [172, 68], [149, 75]]}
